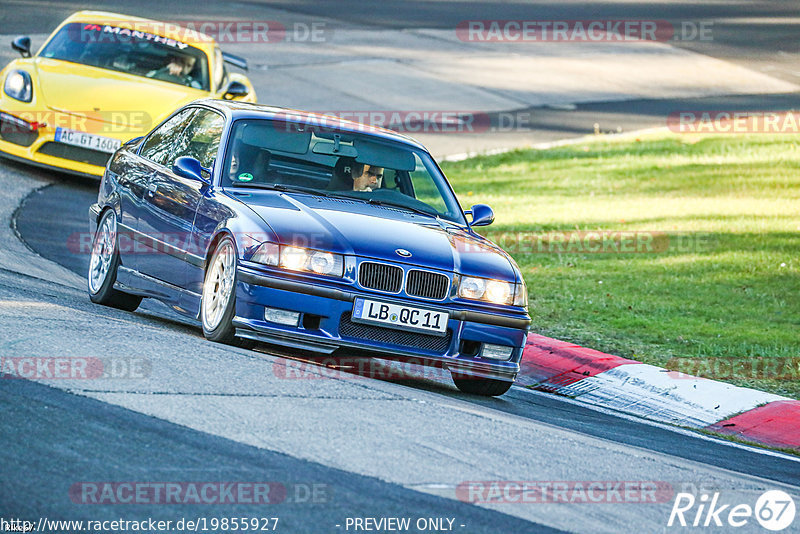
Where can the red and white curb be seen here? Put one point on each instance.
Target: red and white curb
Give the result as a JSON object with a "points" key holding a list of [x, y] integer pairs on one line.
{"points": [[657, 394]]}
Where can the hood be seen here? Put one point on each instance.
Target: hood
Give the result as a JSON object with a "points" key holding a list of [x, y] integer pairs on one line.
{"points": [[109, 96], [368, 231]]}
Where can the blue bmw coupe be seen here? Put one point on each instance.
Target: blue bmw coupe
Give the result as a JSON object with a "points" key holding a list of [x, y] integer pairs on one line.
{"points": [[308, 232]]}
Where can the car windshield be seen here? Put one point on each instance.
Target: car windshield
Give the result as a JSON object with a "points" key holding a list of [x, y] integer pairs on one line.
{"points": [[130, 51], [329, 162]]}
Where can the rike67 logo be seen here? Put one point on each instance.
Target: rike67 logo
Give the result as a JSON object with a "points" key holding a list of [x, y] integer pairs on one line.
{"points": [[774, 510]]}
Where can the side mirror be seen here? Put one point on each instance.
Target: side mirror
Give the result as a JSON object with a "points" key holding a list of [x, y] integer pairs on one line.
{"points": [[22, 45], [188, 167], [482, 215], [235, 90]]}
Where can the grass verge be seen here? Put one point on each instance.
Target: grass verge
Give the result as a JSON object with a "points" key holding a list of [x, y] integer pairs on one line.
{"points": [[719, 293]]}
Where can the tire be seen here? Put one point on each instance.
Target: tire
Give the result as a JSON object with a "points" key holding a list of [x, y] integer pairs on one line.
{"points": [[485, 387], [103, 267], [218, 303]]}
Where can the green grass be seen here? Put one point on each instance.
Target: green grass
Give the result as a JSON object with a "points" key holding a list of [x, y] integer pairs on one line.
{"points": [[731, 290]]}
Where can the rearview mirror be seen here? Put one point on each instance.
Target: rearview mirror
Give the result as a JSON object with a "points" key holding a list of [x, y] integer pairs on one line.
{"points": [[482, 215], [188, 167], [235, 90], [22, 44], [330, 149]]}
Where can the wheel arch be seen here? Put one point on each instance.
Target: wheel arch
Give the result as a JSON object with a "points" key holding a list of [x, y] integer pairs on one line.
{"points": [[111, 202], [212, 245]]}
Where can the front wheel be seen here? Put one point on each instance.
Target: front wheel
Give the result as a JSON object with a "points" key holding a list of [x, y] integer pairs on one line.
{"points": [[219, 294], [103, 267], [486, 387]]}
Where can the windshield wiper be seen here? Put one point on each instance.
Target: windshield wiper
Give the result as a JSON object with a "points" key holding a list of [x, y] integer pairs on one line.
{"points": [[290, 188], [284, 188], [421, 211]]}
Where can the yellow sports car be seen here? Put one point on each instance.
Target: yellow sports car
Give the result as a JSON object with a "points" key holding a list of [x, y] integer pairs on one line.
{"points": [[101, 79]]}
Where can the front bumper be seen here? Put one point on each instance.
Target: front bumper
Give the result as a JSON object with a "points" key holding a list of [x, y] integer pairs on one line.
{"points": [[325, 326], [39, 147]]}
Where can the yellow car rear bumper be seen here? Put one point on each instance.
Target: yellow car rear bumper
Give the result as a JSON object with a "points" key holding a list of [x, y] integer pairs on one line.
{"points": [[37, 145]]}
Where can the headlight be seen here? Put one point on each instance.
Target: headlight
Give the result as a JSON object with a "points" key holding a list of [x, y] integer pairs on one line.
{"points": [[294, 258], [494, 291], [499, 292], [267, 253], [18, 85], [300, 259], [322, 262], [472, 288], [521, 295]]}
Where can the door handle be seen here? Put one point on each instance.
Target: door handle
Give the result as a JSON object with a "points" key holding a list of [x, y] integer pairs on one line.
{"points": [[151, 189]]}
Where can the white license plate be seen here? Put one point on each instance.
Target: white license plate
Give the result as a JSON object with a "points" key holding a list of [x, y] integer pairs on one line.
{"points": [[87, 140], [400, 316]]}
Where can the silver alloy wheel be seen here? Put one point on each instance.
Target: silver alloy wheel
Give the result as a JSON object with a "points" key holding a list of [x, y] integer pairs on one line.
{"points": [[102, 253], [218, 286]]}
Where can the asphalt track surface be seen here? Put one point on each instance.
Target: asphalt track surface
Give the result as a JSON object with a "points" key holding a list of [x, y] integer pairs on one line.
{"points": [[52, 424], [763, 36], [84, 439], [760, 34], [53, 437], [48, 236]]}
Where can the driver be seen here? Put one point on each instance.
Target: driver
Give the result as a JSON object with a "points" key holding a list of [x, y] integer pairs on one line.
{"points": [[176, 70], [350, 175], [369, 179]]}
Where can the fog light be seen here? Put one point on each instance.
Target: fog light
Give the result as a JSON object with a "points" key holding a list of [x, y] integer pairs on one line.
{"points": [[274, 315], [496, 352]]}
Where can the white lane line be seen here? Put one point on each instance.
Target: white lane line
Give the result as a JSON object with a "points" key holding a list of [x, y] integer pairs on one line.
{"points": [[656, 424]]}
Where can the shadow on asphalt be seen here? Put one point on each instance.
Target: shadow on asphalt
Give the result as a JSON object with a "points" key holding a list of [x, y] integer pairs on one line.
{"points": [[75, 442]]}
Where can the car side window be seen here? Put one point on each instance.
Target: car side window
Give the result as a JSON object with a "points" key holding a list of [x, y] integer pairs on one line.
{"points": [[159, 145], [200, 139]]}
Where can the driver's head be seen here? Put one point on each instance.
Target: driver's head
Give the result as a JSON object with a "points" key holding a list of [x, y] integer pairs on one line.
{"points": [[370, 178], [181, 65], [187, 62]]}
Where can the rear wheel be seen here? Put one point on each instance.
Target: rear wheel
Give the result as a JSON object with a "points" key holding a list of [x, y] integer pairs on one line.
{"points": [[103, 267], [486, 387], [219, 294]]}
